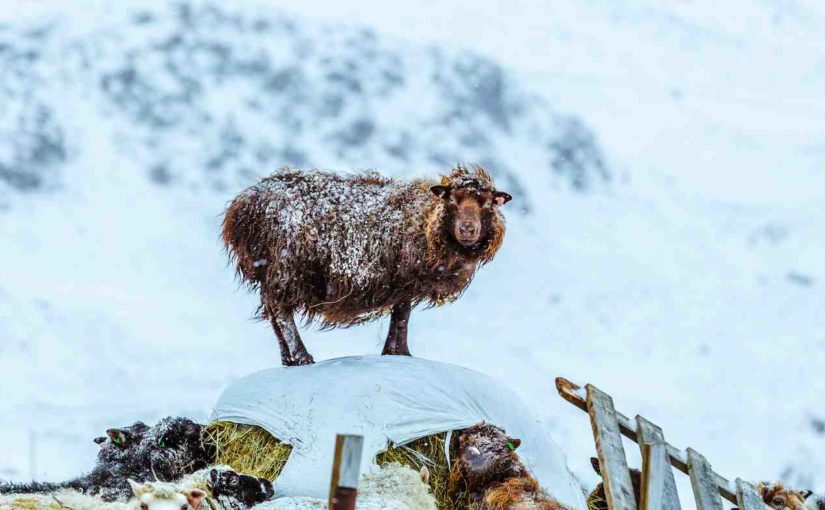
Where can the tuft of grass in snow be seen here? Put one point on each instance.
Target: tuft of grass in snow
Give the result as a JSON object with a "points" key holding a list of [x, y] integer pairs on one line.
{"points": [[248, 449]]}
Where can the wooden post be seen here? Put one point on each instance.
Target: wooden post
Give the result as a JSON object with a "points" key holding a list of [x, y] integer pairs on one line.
{"points": [[574, 394], [618, 488], [346, 470], [650, 434], [704, 486], [748, 498]]}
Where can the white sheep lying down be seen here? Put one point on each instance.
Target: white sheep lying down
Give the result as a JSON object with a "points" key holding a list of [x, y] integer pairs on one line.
{"points": [[393, 487], [191, 493], [149, 496]]}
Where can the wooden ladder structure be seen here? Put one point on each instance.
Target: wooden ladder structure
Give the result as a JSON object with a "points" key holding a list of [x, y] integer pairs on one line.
{"points": [[658, 490]]}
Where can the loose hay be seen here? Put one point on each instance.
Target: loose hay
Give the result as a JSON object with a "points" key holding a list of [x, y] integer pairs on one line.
{"points": [[247, 449], [595, 502], [430, 452]]}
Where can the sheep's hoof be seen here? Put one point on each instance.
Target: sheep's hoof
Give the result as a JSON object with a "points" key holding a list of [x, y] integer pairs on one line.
{"points": [[406, 353], [298, 360]]}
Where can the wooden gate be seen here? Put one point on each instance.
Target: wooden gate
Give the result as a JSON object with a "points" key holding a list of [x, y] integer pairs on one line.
{"points": [[658, 490]]}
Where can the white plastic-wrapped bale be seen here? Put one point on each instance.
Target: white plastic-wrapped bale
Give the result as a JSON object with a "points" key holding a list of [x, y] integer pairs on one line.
{"points": [[394, 399]]}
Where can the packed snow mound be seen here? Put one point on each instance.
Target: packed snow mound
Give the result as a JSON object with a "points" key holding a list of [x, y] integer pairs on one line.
{"points": [[384, 398], [209, 95]]}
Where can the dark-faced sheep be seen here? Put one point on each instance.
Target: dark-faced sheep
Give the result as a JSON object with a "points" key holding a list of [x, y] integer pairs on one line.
{"points": [[349, 249], [491, 473], [238, 491], [118, 443]]}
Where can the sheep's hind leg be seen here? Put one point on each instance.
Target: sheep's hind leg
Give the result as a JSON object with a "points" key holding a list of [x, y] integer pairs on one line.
{"points": [[397, 337], [293, 352]]}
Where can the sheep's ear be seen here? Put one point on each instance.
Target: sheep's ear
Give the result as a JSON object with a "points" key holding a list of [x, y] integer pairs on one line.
{"points": [[513, 443], [117, 436], [194, 497], [138, 489], [100, 440], [424, 473], [594, 461], [805, 493], [213, 475], [440, 191], [501, 198]]}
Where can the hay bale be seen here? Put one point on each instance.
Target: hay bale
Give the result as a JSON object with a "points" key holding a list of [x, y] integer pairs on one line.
{"points": [[429, 451], [247, 449]]}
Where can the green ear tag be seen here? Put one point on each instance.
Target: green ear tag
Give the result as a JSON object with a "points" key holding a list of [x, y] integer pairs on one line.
{"points": [[162, 443], [117, 440], [511, 446]]}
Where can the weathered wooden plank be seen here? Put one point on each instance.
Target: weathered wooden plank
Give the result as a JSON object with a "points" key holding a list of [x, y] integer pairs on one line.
{"points": [[655, 471], [648, 433], [346, 470], [615, 474], [748, 498], [704, 486], [576, 396]]}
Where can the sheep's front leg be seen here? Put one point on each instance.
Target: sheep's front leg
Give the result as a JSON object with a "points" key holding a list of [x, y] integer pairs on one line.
{"points": [[293, 352], [397, 337]]}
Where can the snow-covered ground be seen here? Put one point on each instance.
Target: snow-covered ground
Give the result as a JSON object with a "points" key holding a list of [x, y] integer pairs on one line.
{"points": [[689, 284]]}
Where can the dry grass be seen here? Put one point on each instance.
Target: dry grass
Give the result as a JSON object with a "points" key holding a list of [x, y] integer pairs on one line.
{"points": [[595, 502], [430, 452], [248, 449]]}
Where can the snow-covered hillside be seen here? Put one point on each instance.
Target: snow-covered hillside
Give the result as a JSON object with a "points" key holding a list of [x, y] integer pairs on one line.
{"points": [[124, 131]]}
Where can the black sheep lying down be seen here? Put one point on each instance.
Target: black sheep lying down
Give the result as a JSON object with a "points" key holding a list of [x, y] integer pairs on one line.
{"points": [[168, 451]]}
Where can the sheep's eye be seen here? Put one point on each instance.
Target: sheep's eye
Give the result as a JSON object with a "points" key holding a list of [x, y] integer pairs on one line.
{"points": [[779, 501], [185, 506], [144, 506]]}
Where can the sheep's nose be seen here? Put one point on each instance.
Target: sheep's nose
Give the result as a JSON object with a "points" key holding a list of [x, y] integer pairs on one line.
{"points": [[468, 229]]}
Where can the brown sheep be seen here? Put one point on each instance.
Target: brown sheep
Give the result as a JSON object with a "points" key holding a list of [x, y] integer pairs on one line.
{"points": [[347, 249], [597, 500], [780, 497], [489, 471]]}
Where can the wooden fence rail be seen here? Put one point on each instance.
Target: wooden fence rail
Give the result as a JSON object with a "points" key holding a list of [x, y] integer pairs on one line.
{"points": [[658, 487]]}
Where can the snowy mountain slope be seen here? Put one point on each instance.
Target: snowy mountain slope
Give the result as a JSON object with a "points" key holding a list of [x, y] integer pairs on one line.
{"points": [[699, 311], [205, 97]]}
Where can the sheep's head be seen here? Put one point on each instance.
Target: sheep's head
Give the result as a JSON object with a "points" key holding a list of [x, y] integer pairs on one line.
{"points": [[486, 455], [245, 488], [174, 447], [165, 496], [119, 443], [471, 205], [778, 496], [123, 438]]}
